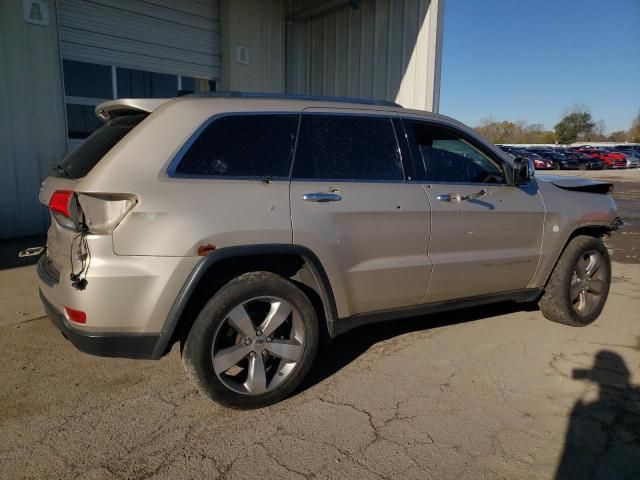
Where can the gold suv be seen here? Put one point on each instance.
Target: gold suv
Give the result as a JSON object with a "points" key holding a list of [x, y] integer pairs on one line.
{"points": [[247, 227]]}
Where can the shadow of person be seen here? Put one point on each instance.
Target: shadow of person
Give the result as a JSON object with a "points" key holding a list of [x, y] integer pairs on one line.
{"points": [[603, 438]]}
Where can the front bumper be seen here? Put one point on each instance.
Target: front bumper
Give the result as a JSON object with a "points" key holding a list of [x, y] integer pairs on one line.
{"points": [[106, 344]]}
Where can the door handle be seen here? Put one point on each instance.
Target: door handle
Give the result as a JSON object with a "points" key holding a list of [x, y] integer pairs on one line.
{"points": [[446, 197], [449, 197], [321, 197]]}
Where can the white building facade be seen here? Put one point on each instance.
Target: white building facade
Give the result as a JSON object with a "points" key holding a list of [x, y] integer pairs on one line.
{"points": [[60, 58]]}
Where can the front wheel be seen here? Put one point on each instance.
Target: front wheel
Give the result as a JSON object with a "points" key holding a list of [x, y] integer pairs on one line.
{"points": [[579, 285], [253, 342]]}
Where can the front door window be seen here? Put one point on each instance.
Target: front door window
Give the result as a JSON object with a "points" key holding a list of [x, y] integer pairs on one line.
{"points": [[445, 156]]}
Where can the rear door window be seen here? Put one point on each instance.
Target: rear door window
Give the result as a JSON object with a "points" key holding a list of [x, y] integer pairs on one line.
{"points": [[80, 161], [251, 146], [347, 147]]}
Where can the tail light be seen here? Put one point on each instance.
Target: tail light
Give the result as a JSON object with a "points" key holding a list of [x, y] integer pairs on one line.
{"points": [[63, 206], [97, 213]]}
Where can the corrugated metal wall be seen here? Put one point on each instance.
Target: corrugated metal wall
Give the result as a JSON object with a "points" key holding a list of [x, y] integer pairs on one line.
{"points": [[386, 49], [165, 36], [32, 122], [259, 26]]}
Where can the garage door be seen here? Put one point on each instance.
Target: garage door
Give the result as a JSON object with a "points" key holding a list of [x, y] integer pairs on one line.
{"points": [[178, 37]]}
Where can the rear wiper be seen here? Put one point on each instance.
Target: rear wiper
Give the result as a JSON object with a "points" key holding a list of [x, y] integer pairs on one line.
{"points": [[60, 170]]}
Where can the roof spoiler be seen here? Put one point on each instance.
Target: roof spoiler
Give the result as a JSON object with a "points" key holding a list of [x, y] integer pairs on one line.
{"points": [[127, 106]]}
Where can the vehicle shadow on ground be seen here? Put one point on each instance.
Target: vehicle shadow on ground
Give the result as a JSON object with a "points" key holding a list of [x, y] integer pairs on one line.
{"points": [[349, 346], [603, 435]]}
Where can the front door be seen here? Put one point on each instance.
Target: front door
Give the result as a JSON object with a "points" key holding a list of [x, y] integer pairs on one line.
{"points": [[486, 234], [351, 205]]}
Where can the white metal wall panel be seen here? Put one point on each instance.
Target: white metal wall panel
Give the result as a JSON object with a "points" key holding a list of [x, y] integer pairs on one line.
{"points": [[386, 49], [177, 37], [32, 127]]}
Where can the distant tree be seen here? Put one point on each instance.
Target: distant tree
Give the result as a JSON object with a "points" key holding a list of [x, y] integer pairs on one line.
{"points": [[597, 134], [577, 124], [548, 136], [514, 132], [634, 131], [499, 132], [619, 136]]}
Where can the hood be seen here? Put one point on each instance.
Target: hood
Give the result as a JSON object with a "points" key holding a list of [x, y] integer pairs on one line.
{"points": [[578, 184]]}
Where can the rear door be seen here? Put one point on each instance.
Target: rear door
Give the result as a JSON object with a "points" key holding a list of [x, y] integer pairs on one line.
{"points": [[352, 206], [486, 234]]}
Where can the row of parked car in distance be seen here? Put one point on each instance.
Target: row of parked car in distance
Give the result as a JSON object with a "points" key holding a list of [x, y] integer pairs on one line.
{"points": [[585, 157]]}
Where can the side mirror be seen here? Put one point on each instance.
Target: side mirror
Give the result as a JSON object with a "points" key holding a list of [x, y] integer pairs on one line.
{"points": [[523, 170]]}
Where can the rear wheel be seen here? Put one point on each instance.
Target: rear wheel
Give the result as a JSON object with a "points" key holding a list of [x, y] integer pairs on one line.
{"points": [[579, 285], [253, 342]]}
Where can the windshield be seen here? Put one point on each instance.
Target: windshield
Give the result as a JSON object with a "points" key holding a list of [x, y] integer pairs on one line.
{"points": [[80, 161]]}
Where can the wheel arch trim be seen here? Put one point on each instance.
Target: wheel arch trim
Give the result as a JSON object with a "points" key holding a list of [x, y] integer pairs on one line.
{"points": [[209, 261], [580, 228]]}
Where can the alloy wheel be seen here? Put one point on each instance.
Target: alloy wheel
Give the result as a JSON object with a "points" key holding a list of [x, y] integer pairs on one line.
{"points": [[258, 345], [587, 283]]}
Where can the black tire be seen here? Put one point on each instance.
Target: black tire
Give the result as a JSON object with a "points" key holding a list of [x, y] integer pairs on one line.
{"points": [[555, 303], [197, 347]]}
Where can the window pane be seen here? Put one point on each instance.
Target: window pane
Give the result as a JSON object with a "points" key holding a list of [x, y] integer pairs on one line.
{"points": [[189, 84], [243, 146], [447, 157], [87, 80], [82, 120], [347, 148], [139, 84], [80, 161]]}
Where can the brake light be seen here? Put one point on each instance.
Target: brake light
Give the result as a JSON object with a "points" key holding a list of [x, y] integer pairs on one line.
{"points": [[76, 316], [60, 201]]}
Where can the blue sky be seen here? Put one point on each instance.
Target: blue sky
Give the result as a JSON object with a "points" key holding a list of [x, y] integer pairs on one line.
{"points": [[532, 59]]}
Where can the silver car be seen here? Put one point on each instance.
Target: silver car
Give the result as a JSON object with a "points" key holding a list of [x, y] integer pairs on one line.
{"points": [[248, 227], [633, 159]]}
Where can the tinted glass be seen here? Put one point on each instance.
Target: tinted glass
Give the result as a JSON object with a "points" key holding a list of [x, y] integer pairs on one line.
{"points": [[347, 148], [80, 161], [139, 84], [446, 156], [243, 146], [81, 120], [87, 80]]}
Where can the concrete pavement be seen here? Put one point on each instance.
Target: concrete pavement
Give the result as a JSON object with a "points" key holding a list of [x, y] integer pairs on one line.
{"points": [[484, 393]]}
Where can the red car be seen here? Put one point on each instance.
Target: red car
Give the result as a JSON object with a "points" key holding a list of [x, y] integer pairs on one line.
{"points": [[611, 159]]}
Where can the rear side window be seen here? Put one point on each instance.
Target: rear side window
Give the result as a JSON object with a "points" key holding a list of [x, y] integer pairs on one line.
{"points": [[347, 147], [80, 161], [243, 146]]}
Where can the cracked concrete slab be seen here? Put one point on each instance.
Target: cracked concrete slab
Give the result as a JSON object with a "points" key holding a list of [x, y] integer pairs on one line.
{"points": [[492, 392]]}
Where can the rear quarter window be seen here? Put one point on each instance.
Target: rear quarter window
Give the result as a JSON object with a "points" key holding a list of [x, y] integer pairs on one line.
{"points": [[256, 145], [79, 162]]}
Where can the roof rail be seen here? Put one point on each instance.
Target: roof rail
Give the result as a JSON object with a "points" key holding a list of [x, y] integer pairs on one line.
{"points": [[285, 96]]}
